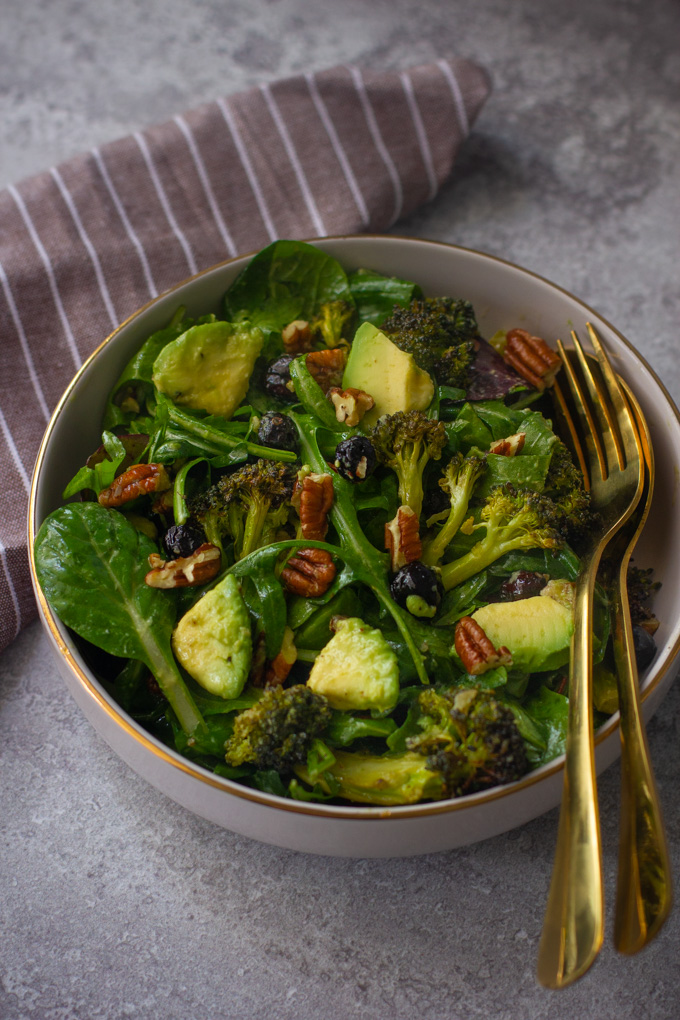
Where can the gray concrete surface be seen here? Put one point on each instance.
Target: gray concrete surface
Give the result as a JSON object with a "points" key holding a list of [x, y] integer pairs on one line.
{"points": [[116, 903]]}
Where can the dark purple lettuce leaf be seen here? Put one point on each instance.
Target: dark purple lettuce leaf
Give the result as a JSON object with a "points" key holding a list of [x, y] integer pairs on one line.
{"points": [[490, 377]]}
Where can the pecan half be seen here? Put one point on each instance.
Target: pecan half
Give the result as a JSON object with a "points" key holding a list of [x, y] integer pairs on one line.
{"points": [[313, 497], [402, 538], [297, 337], [310, 572], [185, 572], [532, 358], [327, 366], [281, 665], [509, 446], [475, 650], [139, 480], [350, 404]]}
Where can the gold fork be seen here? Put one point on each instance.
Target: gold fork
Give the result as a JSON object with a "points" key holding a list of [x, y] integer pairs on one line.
{"points": [[644, 893], [573, 926]]}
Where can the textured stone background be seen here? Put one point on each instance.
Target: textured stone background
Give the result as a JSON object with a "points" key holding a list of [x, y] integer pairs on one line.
{"points": [[116, 903]]}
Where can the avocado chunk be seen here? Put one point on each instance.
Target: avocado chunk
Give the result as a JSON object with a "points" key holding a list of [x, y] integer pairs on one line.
{"points": [[390, 375], [537, 631], [357, 669], [208, 368], [212, 640]]}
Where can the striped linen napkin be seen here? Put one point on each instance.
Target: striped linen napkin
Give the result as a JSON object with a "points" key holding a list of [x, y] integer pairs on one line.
{"points": [[85, 244]]}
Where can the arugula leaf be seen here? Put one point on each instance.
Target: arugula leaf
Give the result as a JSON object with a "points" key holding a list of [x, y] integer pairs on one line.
{"points": [[91, 564], [101, 474]]}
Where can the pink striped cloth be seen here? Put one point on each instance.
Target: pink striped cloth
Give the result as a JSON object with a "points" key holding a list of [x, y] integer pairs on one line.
{"points": [[85, 244]]}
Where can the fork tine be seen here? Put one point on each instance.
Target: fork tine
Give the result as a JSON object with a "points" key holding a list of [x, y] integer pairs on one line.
{"points": [[609, 429], [622, 407], [568, 423], [584, 413]]}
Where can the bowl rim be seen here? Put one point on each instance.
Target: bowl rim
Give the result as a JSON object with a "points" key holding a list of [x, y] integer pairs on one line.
{"points": [[173, 758]]}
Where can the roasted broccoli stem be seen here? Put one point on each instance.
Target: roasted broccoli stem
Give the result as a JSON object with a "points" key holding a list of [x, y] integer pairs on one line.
{"points": [[406, 442], [470, 739], [441, 335], [277, 732], [512, 519], [460, 478], [249, 505]]}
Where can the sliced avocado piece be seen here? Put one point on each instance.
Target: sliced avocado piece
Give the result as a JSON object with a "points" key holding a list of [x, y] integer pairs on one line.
{"points": [[390, 375], [212, 641], [208, 368], [356, 669], [537, 631]]}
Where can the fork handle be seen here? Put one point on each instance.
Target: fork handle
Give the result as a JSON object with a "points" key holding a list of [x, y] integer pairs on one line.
{"points": [[573, 927], [644, 891]]}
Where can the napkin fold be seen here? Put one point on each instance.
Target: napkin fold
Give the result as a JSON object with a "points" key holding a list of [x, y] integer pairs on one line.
{"points": [[85, 244]]}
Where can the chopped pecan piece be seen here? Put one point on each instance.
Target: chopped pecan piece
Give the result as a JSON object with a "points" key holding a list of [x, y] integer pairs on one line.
{"points": [[350, 404], [185, 572], [313, 496], [310, 572], [139, 480], [402, 538], [509, 446], [475, 650], [532, 358], [327, 366], [297, 337], [281, 664]]}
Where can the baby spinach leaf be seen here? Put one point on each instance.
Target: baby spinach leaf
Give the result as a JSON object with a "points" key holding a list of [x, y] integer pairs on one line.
{"points": [[91, 564], [286, 281], [376, 295]]}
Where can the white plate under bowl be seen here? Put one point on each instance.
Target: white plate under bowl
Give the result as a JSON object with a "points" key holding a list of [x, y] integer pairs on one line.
{"points": [[504, 296]]}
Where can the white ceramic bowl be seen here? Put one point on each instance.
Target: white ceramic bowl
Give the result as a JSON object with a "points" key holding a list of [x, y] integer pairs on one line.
{"points": [[504, 296]]}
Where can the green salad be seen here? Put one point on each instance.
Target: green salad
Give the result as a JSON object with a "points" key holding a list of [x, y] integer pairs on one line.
{"points": [[328, 544]]}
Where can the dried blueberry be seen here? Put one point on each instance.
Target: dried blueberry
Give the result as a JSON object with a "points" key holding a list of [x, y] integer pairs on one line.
{"points": [[645, 647], [278, 431], [523, 584], [418, 589], [355, 458], [277, 379], [182, 540]]}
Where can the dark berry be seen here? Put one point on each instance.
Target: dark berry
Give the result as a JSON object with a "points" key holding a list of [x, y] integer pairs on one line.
{"points": [[277, 379], [355, 458], [278, 431], [182, 540], [436, 501], [645, 647], [523, 584], [417, 588]]}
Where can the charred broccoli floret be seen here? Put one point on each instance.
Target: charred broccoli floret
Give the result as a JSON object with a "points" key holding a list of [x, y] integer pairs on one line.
{"points": [[460, 478], [332, 321], [641, 588], [249, 505], [277, 732], [512, 519], [440, 333], [405, 442], [574, 514], [470, 739]]}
